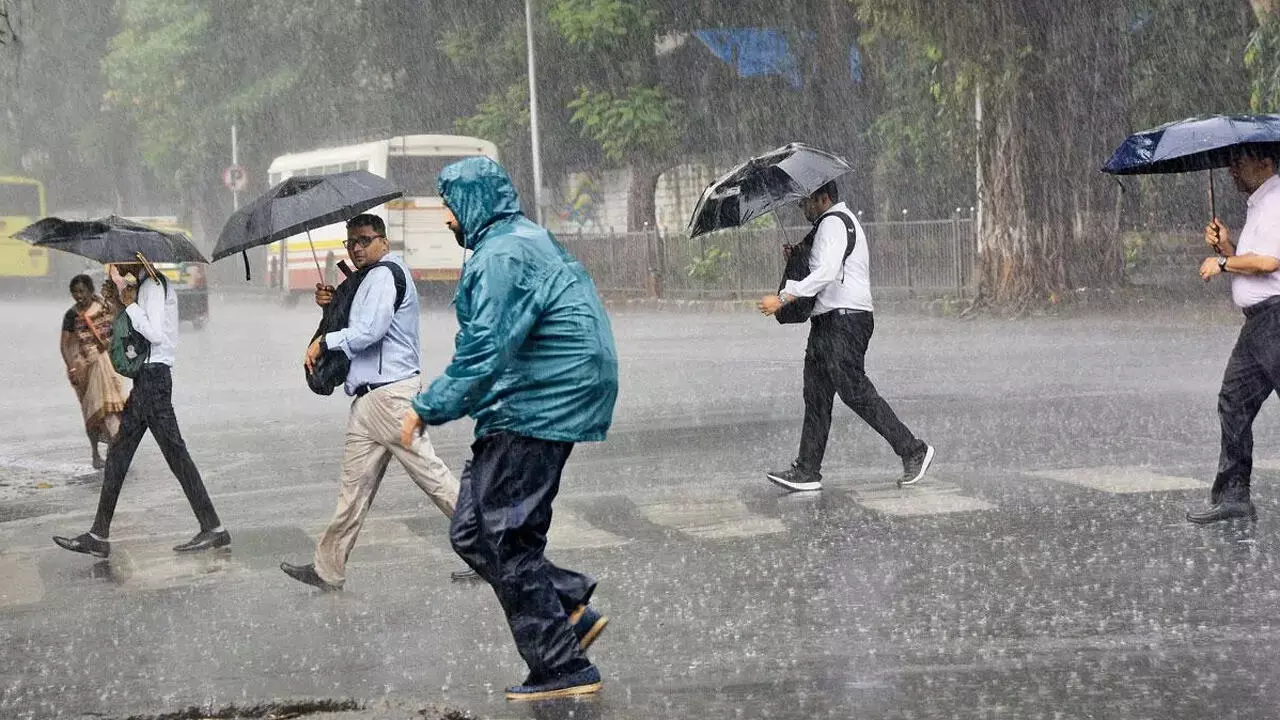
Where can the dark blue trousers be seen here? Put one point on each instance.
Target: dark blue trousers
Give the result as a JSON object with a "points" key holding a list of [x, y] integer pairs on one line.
{"points": [[500, 529], [1252, 374]]}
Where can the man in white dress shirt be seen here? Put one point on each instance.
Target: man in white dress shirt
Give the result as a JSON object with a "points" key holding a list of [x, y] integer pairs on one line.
{"points": [[153, 310], [840, 330], [1253, 372]]}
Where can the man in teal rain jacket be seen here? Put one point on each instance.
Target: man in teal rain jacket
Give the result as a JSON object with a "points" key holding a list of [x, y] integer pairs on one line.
{"points": [[534, 364]]}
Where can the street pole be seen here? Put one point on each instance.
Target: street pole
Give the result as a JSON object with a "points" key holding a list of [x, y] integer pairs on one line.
{"points": [[235, 160], [533, 112]]}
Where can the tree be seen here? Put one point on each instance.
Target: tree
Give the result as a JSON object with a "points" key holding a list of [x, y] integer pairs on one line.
{"points": [[1050, 79]]}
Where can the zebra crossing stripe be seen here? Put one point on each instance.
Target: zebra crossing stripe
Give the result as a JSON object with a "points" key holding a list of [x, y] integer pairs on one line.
{"points": [[710, 518], [569, 531], [932, 497], [1120, 479]]}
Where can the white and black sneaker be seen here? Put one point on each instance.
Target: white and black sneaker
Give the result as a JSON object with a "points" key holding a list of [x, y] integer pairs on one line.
{"points": [[915, 465], [795, 479]]}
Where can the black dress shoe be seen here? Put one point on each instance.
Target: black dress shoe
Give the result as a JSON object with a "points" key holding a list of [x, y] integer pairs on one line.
{"points": [[205, 540], [86, 543], [307, 574], [1226, 510], [467, 575]]}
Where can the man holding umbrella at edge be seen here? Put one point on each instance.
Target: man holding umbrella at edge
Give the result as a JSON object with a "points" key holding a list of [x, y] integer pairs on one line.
{"points": [[153, 309], [841, 325], [535, 365], [1253, 371]]}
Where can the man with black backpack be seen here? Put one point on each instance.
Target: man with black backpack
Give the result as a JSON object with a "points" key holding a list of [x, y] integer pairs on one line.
{"points": [[379, 340], [829, 284], [151, 318]]}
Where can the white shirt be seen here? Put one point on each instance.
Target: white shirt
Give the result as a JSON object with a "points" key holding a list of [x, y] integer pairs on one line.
{"points": [[155, 315], [1260, 236], [836, 284]]}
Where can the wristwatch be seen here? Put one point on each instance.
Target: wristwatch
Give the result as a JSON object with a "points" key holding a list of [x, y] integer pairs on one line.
{"points": [[1222, 263]]}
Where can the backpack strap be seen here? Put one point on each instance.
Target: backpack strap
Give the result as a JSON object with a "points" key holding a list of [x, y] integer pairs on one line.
{"points": [[397, 274], [851, 236]]}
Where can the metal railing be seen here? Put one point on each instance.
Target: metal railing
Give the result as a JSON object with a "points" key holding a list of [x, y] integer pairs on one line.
{"points": [[924, 257]]}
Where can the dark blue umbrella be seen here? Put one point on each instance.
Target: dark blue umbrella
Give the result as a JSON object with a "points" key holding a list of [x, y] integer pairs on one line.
{"points": [[1202, 143]]}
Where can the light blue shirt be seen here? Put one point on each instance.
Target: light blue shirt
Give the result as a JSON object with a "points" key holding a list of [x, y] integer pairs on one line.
{"points": [[381, 341]]}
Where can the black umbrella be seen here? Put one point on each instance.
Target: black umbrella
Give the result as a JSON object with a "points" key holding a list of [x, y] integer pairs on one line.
{"points": [[764, 184], [111, 240], [302, 204], [1201, 143]]}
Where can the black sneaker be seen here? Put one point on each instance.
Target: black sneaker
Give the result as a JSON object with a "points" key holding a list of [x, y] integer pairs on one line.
{"points": [[795, 479], [915, 465], [86, 543]]}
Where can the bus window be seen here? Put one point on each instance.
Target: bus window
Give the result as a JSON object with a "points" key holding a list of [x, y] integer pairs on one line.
{"points": [[348, 167], [274, 179], [330, 170], [20, 200], [362, 165], [416, 174]]}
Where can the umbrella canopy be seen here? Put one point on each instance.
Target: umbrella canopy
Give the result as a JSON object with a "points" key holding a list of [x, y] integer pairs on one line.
{"points": [[111, 240], [764, 184], [300, 204], [1202, 143]]}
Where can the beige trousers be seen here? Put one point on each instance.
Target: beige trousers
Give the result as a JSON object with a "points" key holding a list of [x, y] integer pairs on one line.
{"points": [[373, 438]]}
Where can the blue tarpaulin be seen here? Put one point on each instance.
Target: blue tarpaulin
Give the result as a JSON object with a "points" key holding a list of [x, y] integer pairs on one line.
{"points": [[765, 51]]}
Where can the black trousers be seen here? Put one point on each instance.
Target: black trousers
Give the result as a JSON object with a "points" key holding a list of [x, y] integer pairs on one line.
{"points": [[1252, 374], [500, 529], [834, 364], [150, 407]]}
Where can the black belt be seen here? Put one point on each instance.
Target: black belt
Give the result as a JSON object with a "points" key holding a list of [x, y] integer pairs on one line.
{"points": [[841, 311], [1261, 307], [367, 388]]}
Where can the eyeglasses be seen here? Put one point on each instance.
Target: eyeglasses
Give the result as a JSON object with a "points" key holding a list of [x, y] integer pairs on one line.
{"points": [[363, 241]]}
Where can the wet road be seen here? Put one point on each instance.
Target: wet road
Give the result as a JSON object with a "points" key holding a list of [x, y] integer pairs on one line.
{"points": [[1043, 570]]}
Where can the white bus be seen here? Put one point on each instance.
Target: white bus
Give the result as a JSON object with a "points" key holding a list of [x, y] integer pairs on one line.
{"points": [[415, 222]]}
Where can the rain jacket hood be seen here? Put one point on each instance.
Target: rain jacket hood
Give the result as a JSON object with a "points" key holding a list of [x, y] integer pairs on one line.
{"points": [[534, 354], [480, 194]]}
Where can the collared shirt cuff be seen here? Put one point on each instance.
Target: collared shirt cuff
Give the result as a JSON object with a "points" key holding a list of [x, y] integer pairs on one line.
{"points": [[792, 289], [337, 340]]}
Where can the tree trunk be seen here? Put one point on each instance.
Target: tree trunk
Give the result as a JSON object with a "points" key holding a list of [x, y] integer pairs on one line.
{"points": [[1048, 221], [641, 201]]}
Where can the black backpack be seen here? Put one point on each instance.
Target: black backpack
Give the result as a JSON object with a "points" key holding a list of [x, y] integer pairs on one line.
{"points": [[330, 371], [799, 309]]}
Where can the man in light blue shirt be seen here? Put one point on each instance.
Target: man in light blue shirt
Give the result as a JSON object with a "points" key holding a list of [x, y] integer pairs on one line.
{"points": [[381, 341]]}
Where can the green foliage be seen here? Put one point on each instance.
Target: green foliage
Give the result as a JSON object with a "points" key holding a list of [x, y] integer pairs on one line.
{"points": [[501, 118], [1262, 59], [600, 25], [636, 123], [710, 267]]}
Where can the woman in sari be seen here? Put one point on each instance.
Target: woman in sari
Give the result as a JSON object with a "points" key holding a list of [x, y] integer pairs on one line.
{"points": [[86, 335]]}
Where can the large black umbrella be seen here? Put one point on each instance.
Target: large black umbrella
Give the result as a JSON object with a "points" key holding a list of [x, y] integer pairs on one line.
{"points": [[301, 204], [1201, 143], [111, 240], [764, 184]]}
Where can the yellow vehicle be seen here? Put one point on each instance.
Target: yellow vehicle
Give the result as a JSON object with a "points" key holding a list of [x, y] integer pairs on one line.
{"points": [[21, 203]]}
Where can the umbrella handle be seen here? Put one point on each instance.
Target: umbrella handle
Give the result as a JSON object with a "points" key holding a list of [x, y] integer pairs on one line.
{"points": [[319, 272], [146, 265]]}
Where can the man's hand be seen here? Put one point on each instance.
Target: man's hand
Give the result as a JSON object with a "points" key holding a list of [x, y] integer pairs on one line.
{"points": [[1209, 268], [1218, 237], [769, 304], [324, 294], [411, 429], [129, 295], [313, 354]]}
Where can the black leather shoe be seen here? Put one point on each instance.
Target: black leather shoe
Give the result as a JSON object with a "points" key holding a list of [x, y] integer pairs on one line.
{"points": [[86, 543], [205, 540], [467, 575], [1225, 510], [307, 574]]}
